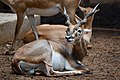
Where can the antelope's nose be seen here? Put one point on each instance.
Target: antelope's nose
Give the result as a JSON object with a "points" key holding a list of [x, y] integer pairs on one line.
{"points": [[69, 38]]}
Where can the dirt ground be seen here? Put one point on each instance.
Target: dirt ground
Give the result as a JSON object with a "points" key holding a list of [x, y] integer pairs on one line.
{"points": [[103, 60]]}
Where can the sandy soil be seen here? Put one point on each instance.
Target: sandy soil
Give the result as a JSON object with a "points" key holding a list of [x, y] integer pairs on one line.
{"points": [[103, 60]]}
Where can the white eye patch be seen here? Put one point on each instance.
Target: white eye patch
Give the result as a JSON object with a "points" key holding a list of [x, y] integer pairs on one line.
{"points": [[80, 31]]}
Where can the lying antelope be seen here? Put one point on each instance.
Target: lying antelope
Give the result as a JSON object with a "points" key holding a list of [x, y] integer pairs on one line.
{"points": [[57, 56], [43, 30], [42, 8]]}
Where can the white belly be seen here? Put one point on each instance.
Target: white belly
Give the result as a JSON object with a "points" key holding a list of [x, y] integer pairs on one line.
{"points": [[43, 12], [58, 61]]}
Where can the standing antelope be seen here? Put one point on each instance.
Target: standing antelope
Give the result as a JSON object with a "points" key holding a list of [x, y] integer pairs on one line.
{"points": [[54, 53], [42, 8], [88, 26]]}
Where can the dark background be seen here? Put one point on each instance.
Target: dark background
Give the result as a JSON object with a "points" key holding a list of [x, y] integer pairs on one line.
{"points": [[107, 17]]}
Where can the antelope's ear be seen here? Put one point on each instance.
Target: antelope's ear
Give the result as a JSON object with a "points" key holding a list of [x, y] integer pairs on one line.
{"points": [[82, 9]]}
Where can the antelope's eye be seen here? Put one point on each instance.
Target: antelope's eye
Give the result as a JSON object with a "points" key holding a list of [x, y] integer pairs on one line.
{"points": [[79, 31]]}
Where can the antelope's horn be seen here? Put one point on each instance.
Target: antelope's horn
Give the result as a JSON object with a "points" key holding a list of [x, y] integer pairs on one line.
{"points": [[82, 22]]}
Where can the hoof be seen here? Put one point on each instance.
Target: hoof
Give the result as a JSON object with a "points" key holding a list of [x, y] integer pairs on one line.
{"points": [[84, 72], [89, 46], [9, 52]]}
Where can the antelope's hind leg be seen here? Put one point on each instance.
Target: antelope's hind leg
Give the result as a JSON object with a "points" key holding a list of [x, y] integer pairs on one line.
{"points": [[33, 25]]}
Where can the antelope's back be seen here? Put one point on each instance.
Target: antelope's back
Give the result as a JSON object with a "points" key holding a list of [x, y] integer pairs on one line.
{"points": [[49, 32]]}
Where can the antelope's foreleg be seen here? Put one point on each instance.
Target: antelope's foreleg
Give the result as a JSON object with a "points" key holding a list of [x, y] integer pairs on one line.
{"points": [[68, 73], [20, 18]]}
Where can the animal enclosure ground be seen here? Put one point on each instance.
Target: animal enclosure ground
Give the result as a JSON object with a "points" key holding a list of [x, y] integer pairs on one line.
{"points": [[103, 60]]}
